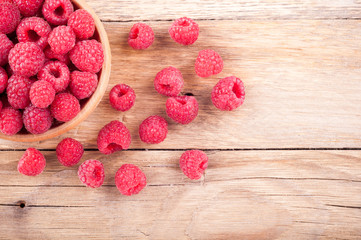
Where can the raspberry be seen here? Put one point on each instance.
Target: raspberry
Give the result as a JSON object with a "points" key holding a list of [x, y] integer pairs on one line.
{"points": [[122, 97], [9, 17], [208, 63], [37, 120], [3, 80], [83, 84], [228, 94], [184, 31], [82, 23], [169, 82], [57, 12], [182, 109], [69, 152], [113, 137], [5, 46], [65, 107], [11, 121], [141, 36], [87, 56], [34, 29], [193, 163], [29, 8], [42, 94], [153, 130], [56, 73], [62, 40], [130, 180], [50, 55], [91, 173], [18, 91], [32, 163]]}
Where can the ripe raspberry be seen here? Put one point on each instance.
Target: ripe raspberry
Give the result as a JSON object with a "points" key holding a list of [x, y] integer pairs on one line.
{"points": [[91, 173], [208, 63], [141, 36], [182, 109], [153, 130], [228, 94], [169, 82], [3, 80], [62, 40], [32, 163], [37, 120], [83, 84], [42, 94], [122, 97], [82, 23], [87, 56], [57, 12], [28, 8], [69, 152], [34, 29], [50, 55], [9, 17], [113, 137], [193, 163], [11, 121], [18, 91], [130, 180], [184, 31], [5, 46], [65, 107], [56, 73]]}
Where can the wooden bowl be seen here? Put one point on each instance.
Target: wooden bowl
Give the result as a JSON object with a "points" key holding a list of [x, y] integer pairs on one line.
{"points": [[92, 102]]}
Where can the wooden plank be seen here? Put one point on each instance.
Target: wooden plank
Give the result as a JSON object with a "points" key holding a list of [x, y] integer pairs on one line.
{"points": [[244, 195]]}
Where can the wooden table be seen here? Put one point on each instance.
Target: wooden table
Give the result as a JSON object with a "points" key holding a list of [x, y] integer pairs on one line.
{"points": [[286, 165]]}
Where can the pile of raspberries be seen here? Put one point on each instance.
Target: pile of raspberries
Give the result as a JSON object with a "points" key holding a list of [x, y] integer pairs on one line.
{"points": [[227, 95]]}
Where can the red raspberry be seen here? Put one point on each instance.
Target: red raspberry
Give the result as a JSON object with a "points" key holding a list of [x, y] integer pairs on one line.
{"points": [[208, 63], [153, 130], [87, 56], [169, 82], [32, 163], [193, 163], [69, 152], [37, 120], [11, 121], [82, 23], [56, 73], [29, 8], [83, 84], [122, 97], [57, 12], [228, 94], [5, 46], [130, 180], [184, 31], [3, 80], [65, 107], [9, 17], [182, 109], [34, 29], [18, 91], [42, 94], [91, 173], [141, 36], [113, 137], [62, 40], [50, 55]]}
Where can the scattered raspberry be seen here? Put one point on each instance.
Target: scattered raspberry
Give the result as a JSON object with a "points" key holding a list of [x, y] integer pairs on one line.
{"points": [[69, 152], [184, 31], [5, 46], [193, 163], [208, 63], [130, 180], [141, 36], [62, 40], [91, 173], [122, 97], [87, 56], [42, 94], [182, 109], [65, 107], [153, 130], [57, 12], [32, 163], [34, 29], [26, 59], [83, 84], [9, 17], [56, 73], [29, 8], [169, 82], [3, 80], [37, 120], [50, 55], [113, 137], [11, 121], [228, 94], [18, 91], [82, 23]]}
